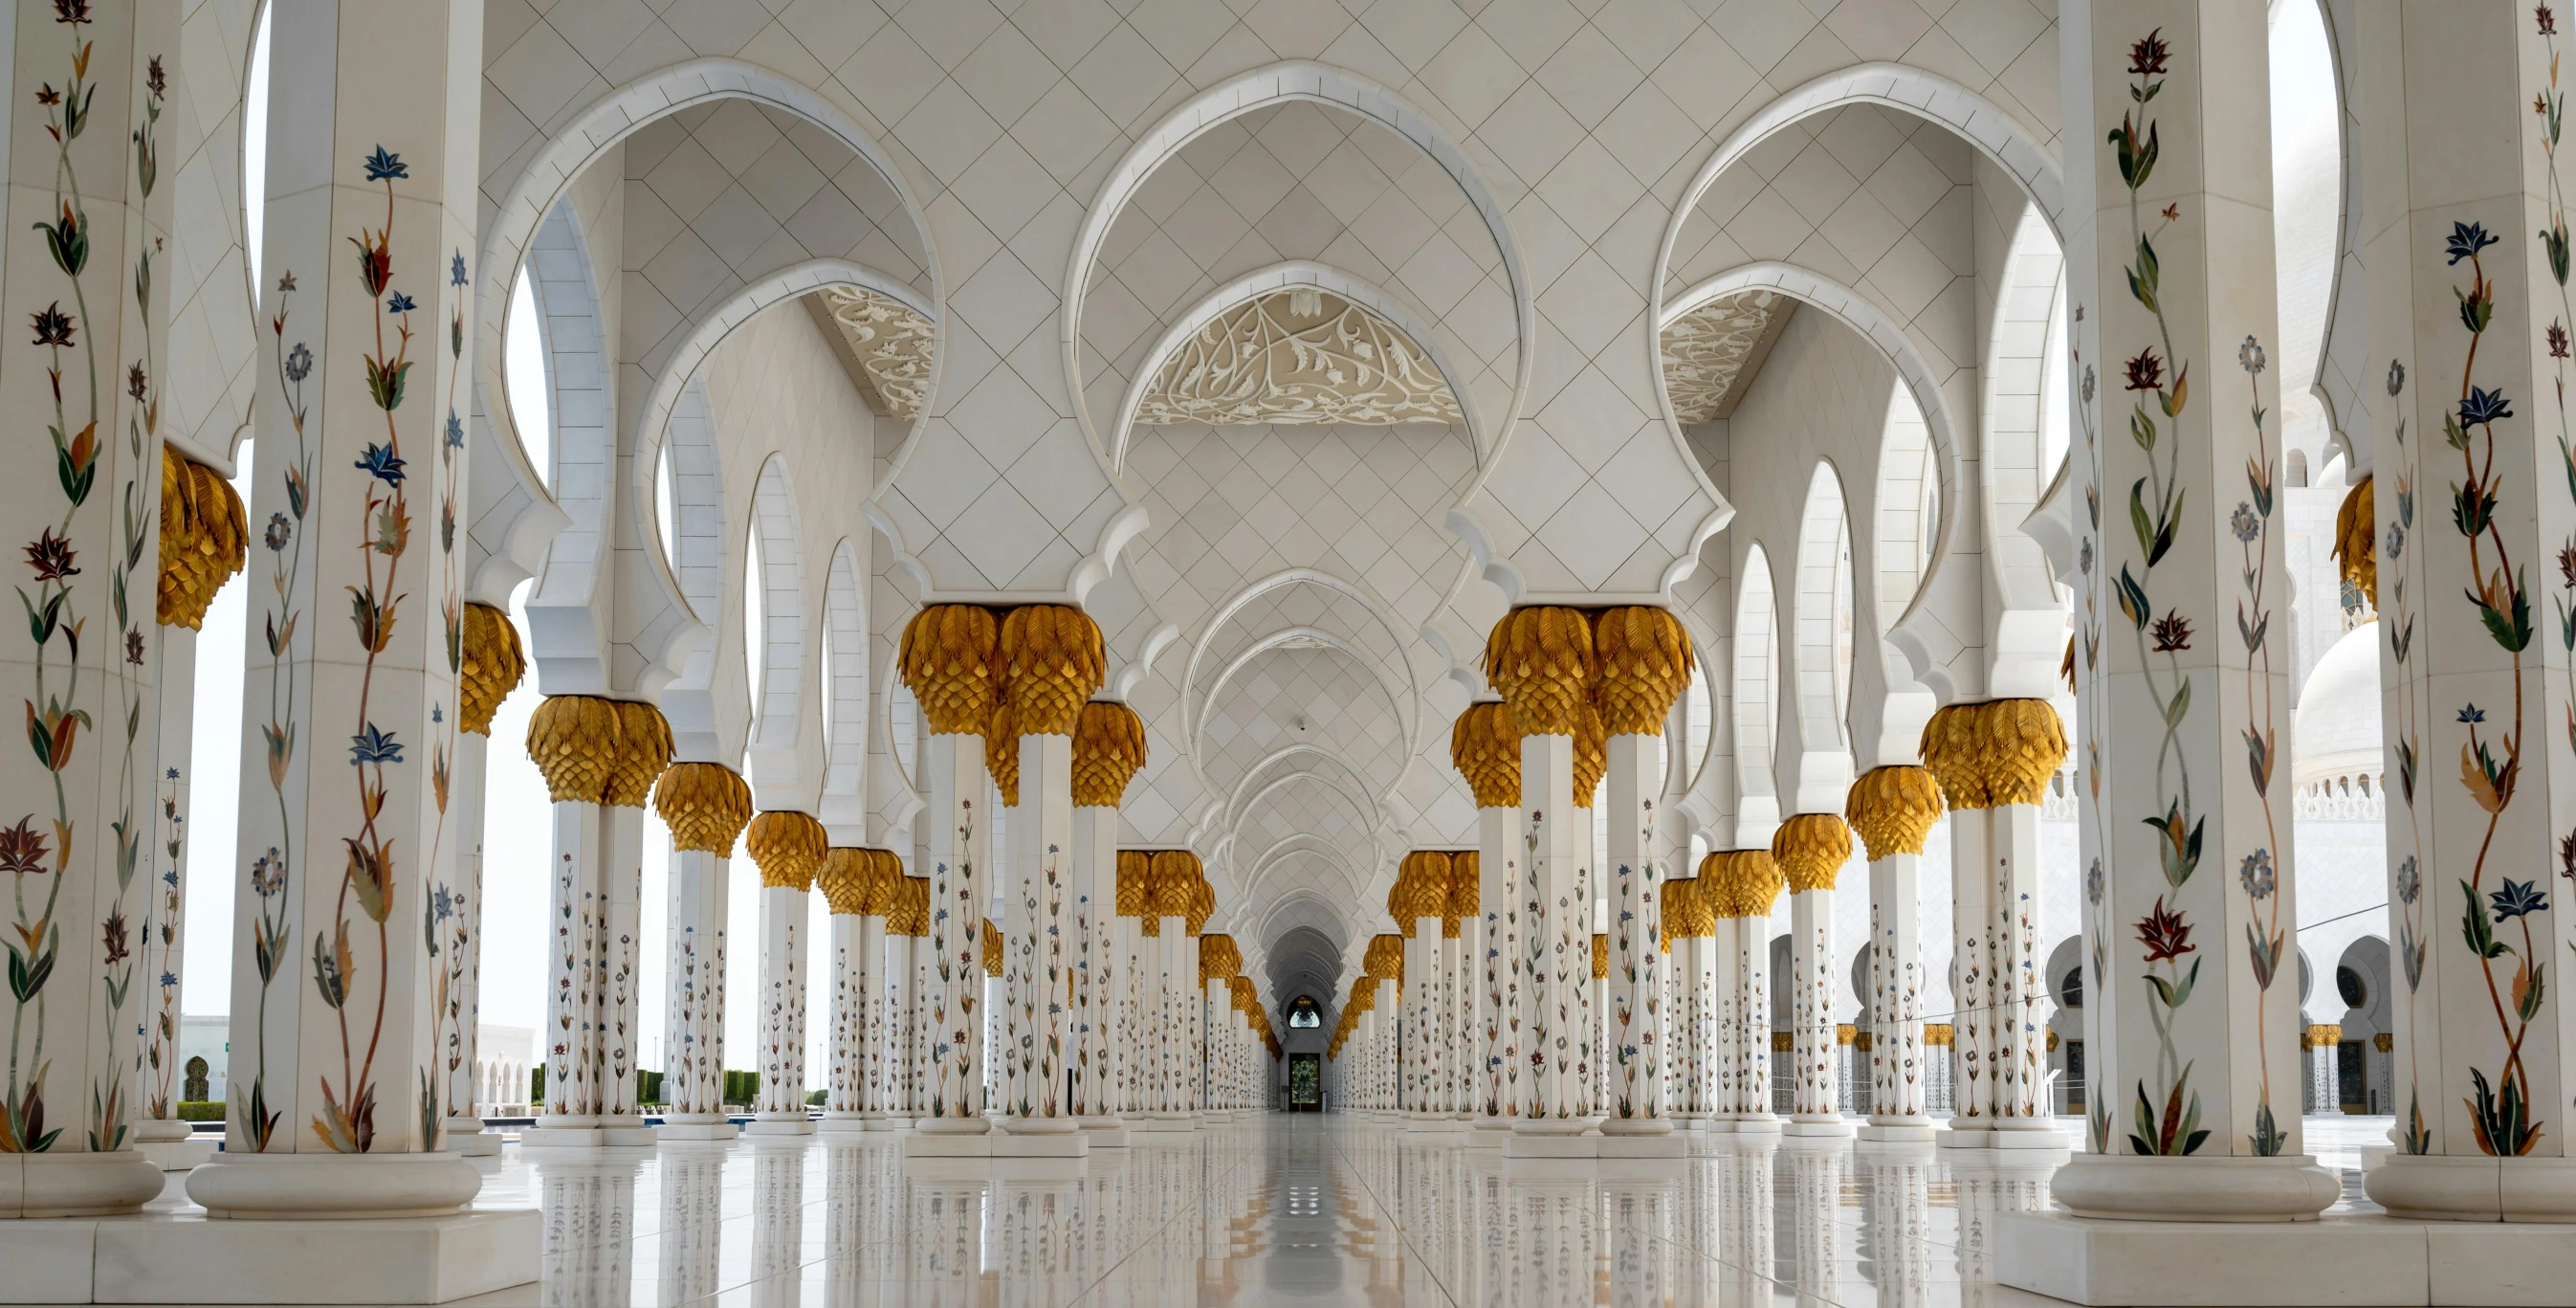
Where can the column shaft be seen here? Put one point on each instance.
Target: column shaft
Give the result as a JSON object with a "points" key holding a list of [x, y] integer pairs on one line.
{"points": [[1811, 1005], [694, 990], [955, 1016], [1896, 1049], [2182, 670], [1498, 861], [1637, 962], [782, 1007], [1558, 947], [2469, 300], [350, 684]]}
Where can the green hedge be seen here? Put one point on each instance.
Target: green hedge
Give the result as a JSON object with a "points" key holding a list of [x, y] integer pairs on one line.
{"points": [[201, 1110], [742, 1087], [648, 1087]]}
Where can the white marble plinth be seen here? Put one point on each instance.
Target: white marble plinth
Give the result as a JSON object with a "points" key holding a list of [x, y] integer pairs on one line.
{"points": [[1818, 1125], [586, 1137], [2291, 1188], [71, 1184], [842, 1124], [1668, 1145], [1430, 1124], [1556, 1145], [2358, 1259], [780, 1124], [1105, 1132], [889, 1123], [1752, 1124], [715, 1130], [949, 1144], [190, 1258], [1165, 1122], [1897, 1130], [2474, 1188], [1039, 1144], [181, 1155]]}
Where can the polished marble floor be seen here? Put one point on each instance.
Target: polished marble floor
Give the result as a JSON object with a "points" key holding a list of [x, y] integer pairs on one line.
{"points": [[1280, 1210]]}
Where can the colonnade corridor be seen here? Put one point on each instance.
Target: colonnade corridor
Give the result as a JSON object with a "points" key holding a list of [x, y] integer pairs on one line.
{"points": [[1280, 1209]]}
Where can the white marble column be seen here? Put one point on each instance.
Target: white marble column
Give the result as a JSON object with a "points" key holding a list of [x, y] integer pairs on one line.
{"points": [[492, 666], [204, 533], [82, 489], [897, 1002], [789, 848], [1128, 1055], [706, 806], [1036, 967], [1484, 746], [1810, 849], [350, 718], [1540, 659], [2468, 269], [1633, 1015], [846, 877], [612, 752], [1892, 809], [950, 659], [1752, 884], [1108, 748], [2183, 679], [1497, 867], [1690, 925]]}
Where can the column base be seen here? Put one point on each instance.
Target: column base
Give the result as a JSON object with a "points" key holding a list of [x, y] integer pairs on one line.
{"points": [[184, 1154], [889, 1122], [2000, 1137], [2130, 1188], [1748, 1124], [2359, 1258], [1037, 1126], [1817, 1125], [1104, 1132], [2435, 1188], [467, 1138], [1897, 1129], [588, 1137], [781, 1125], [944, 1144], [77, 1185], [166, 1130], [1430, 1124], [693, 1126], [842, 1124], [1637, 1126], [1156, 1122], [187, 1259], [331, 1188], [1051, 1144], [977, 1125], [1667, 1145], [1557, 1146]]}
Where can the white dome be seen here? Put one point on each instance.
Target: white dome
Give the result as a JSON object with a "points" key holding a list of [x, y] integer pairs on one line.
{"points": [[2335, 732]]}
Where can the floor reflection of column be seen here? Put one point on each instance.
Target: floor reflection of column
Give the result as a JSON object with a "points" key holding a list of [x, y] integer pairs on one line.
{"points": [[944, 1243], [1039, 1246], [692, 1178], [777, 1220], [863, 1235], [589, 1251], [1990, 1184], [1896, 1243], [1744, 1219], [1815, 1191], [1640, 1241]]}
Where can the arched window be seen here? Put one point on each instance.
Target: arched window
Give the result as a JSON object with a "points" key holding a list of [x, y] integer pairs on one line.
{"points": [[1757, 678], [526, 377], [255, 153], [755, 622]]}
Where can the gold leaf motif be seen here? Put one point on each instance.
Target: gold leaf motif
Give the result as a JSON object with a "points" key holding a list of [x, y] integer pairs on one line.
{"points": [[704, 804], [490, 668], [787, 846], [205, 539], [1893, 809], [1810, 850]]}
